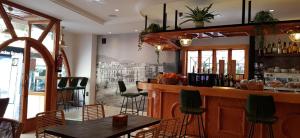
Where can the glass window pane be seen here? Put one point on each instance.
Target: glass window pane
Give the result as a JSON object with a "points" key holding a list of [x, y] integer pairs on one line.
{"points": [[222, 55], [192, 61], [206, 61], [239, 56]]}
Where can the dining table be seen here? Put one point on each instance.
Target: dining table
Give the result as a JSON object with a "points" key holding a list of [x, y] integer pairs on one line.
{"points": [[101, 128]]}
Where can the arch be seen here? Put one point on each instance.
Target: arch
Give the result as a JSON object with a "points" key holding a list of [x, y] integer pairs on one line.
{"points": [[50, 63]]}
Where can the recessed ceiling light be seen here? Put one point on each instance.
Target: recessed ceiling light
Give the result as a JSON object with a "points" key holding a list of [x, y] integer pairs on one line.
{"points": [[271, 10], [136, 30], [117, 10], [109, 32]]}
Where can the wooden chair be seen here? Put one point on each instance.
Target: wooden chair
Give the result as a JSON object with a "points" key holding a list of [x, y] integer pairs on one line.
{"points": [[3, 106], [168, 128], [149, 133], [93, 112], [10, 128], [48, 119]]}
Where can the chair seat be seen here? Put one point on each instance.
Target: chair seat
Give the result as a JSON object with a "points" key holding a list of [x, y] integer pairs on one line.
{"points": [[263, 120], [130, 94], [144, 93], [192, 110]]}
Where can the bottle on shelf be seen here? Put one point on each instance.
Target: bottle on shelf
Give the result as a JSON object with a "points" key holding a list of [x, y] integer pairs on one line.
{"points": [[285, 48], [274, 48], [265, 49], [279, 47], [290, 48], [269, 49], [295, 48]]}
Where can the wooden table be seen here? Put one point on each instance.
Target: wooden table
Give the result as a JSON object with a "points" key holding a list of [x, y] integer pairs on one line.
{"points": [[101, 128]]}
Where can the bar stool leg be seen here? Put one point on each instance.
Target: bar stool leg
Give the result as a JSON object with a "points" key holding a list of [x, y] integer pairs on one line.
{"points": [[199, 126], [122, 105], [126, 105], [202, 126], [137, 109], [182, 125], [271, 135], [250, 135], [186, 125]]}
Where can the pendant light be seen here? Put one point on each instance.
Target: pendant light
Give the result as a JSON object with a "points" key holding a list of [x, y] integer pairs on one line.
{"points": [[62, 42], [186, 39], [294, 34]]}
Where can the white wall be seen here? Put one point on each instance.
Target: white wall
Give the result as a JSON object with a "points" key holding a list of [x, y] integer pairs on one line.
{"points": [[125, 47], [81, 54]]}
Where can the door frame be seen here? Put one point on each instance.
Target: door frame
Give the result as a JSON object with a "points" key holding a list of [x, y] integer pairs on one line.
{"points": [[50, 87]]}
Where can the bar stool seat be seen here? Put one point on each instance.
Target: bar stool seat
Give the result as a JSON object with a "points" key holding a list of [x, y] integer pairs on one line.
{"points": [[263, 120], [193, 111], [143, 93], [131, 95]]}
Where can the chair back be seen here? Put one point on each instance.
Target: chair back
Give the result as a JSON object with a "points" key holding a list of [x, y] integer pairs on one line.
{"points": [[122, 86], [84, 82], [168, 128], [190, 99], [48, 119], [74, 82], [62, 82], [149, 133], [260, 106], [93, 112], [3, 106], [137, 83], [10, 128]]}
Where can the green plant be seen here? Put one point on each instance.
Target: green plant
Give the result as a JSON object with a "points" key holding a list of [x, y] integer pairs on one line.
{"points": [[264, 17], [199, 15], [152, 28]]}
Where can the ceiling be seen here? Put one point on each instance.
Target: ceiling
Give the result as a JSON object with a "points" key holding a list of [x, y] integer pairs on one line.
{"points": [[100, 17]]}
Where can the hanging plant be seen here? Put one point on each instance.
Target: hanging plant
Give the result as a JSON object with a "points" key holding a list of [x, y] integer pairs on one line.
{"points": [[263, 17], [199, 16], [151, 29]]}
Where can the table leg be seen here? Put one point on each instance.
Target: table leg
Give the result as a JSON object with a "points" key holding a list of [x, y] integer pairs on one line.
{"points": [[128, 135]]}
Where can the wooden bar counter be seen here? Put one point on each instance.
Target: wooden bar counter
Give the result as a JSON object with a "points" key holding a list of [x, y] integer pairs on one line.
{"points": [[225, 110]]}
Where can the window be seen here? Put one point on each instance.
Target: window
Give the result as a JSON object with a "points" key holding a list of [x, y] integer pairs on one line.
{"points": [[192, 61], [222, 55], [239, 56], [206, 61]]}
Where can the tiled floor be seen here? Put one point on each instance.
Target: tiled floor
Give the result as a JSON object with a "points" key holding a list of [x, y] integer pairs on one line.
{"points": [[75, 114]]}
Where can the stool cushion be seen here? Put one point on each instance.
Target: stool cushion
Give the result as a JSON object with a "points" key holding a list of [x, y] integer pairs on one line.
{"points": [[144, 93], [130, 94], [196, 111], [263, 120]]}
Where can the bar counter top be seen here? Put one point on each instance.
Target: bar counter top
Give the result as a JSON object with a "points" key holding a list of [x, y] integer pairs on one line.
{"points": [[225, 115], [226, 92]]}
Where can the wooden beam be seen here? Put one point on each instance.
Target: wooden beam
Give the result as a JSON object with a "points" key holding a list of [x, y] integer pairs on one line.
{"points": [[66, 62], [12, 4], [7, 22], [46, 31], [39, 22]]}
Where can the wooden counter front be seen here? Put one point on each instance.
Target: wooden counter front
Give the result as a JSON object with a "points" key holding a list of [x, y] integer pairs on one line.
{"points": [[225, 110]]}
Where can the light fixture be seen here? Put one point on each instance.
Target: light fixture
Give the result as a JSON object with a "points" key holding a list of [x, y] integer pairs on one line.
{"points": [[117, 10], [158, 47], [109, 32], [294, 34], [271, 10], [186, 39], [62, 42]]}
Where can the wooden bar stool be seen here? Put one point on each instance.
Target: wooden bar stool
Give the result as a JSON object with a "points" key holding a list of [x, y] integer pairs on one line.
{"points": [[260, 110], [190, 104]]}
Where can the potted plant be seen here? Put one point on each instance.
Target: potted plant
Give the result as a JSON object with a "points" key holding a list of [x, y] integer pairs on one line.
{"points": [[152, 28], [263, 17], [199, 16]]}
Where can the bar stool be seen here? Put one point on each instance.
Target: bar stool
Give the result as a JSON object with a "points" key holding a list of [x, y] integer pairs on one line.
{"points": [[127, 95], [82, 87], [72, 87], [143, 98], [260, 110], [190, 104], [61, 86]]}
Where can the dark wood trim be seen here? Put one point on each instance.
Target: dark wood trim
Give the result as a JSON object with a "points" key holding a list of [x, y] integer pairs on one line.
{"points": [[46, 31], [7, 22], [251, 58], [66, 62]]}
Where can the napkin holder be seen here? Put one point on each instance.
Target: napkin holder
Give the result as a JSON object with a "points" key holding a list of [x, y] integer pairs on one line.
{"points": [[119, 120]]}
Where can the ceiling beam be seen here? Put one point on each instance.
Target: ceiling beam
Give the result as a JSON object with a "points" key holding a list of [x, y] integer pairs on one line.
{"points": [[74, 8]]}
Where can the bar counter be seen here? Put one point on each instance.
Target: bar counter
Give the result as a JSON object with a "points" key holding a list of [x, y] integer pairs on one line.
{"points": [[225, 110]]}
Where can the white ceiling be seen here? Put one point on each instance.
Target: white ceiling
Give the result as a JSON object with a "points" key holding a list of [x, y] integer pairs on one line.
{"points": [[89, 16]]}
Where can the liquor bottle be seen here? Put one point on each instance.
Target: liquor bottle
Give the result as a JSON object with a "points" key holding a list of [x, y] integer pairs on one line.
{"points": [[269, 49], [290, 48], [274, 48], [265, 49], [285, 48], [279, 47], [295, 48]]}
